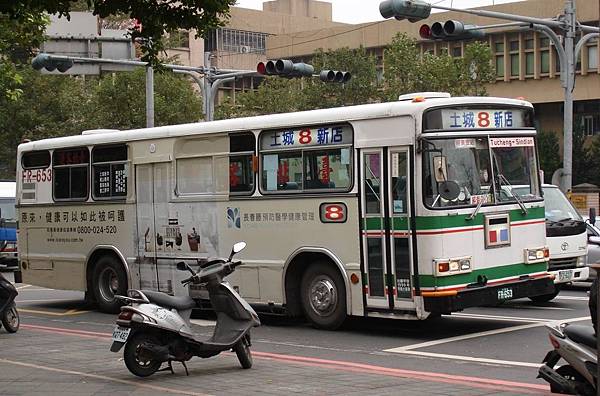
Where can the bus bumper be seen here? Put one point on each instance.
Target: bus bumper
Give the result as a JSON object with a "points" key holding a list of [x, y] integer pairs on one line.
{"points": [[487, 295]]}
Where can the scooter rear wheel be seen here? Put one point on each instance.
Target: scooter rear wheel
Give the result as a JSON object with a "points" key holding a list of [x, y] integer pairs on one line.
{"points": [[10, 319], [138, 361], [242, 350]]}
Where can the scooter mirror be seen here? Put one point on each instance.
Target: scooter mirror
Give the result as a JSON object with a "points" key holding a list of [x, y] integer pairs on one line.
{"points": [[238, 247], [181, 266]]}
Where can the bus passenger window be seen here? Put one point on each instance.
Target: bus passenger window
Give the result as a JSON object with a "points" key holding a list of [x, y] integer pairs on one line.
{"points": [[241, 171], [36, 160], [109, 172], [70, 168]]}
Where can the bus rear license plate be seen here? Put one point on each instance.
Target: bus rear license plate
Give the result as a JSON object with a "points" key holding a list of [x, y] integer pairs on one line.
{"points": [[505, 293], [565, 275], [120, 334]]}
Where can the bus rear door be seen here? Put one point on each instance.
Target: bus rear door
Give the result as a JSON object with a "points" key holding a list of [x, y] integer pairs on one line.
{"points": [[386, 239]]}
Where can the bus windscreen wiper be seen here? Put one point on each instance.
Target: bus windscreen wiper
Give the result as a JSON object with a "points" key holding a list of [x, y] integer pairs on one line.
{"points": [[502, 180]]}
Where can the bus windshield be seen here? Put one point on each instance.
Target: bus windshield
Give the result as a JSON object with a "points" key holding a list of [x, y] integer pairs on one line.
{"points": [[473, 171]]}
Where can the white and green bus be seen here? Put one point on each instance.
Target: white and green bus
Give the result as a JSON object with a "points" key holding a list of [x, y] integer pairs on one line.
{"points": [[396, 210]]}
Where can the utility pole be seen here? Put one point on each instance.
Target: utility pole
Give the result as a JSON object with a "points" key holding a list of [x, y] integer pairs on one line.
{"points": [[415, 10]]}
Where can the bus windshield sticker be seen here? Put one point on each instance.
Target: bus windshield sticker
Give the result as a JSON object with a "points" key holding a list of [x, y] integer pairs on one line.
{"points": [[345, 156], [511, 142], [302, 137], [482, 119], [483, 199], [464, 143]]}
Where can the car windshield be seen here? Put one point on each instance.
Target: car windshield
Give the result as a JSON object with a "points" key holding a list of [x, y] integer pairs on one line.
{"points": [[7, 205], [473, 171], [558, 207]]}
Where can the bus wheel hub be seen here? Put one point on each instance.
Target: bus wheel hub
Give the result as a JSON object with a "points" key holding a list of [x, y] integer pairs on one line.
{"points": [[323, 296]]}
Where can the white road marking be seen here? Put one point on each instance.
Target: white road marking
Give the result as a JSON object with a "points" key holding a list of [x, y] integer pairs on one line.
{"points": [[473, 359], [203, 322], [499, 318], [573, 298], [519, 306], [483, 334]]}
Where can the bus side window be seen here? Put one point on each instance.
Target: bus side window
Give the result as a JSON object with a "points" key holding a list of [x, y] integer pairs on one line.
{"points": [[241, 170], [109, 172], [71, 174]]}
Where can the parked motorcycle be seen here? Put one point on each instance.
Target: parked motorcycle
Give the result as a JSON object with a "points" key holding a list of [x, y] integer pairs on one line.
{"points": [[8, 309], [155, 328]]}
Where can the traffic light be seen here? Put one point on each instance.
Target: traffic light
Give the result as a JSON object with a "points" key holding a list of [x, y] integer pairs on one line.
{"points": [[335, 76], [45, 61], [285, 68], [413, 10], [450, 30]]}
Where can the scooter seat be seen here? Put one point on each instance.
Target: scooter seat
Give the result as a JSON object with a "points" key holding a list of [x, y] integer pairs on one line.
{"points": [[582, 334], [164, 300]]}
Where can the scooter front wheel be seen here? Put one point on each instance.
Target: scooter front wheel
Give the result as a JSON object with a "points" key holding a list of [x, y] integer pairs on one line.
{"points": [[10, 319], [139, 361], [242, 350]]}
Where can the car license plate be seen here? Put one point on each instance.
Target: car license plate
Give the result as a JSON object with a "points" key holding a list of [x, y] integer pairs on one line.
{"points": [[565, 275], [120, 334], [505, 293]]}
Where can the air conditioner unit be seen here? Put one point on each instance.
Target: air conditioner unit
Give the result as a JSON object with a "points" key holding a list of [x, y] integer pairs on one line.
{"points": [[245, 49]]}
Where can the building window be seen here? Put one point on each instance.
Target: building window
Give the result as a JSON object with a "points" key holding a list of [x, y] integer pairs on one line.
{"points": [[240, 41], [109, 172], [591, 124], [457, 52], [544, 55], [178, 39], [514, 58], [499, 50], [529, 57], [593, 54], [70, 169]]}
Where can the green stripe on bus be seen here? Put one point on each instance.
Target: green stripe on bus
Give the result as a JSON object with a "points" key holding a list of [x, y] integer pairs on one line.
{"points": [[440, 222], [491, 274]]}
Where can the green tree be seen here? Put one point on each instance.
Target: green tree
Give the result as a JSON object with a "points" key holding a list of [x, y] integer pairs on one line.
{"points": [[549, 151], [19, 36], [278, 95], [581, 155], [48, 106], [154, 17], [406, 70], [119, 101]]}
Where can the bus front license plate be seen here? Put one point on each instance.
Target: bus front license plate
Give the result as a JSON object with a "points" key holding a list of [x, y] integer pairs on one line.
{"points": [[120, 334], [505, 293], [565, 276]]}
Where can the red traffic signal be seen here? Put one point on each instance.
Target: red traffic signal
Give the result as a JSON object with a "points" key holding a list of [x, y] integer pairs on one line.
{"points": [[450, 30], [285, 68], [425, 32]]}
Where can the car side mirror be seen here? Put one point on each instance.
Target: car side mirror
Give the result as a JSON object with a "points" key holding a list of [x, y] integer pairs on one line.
{"points": [[595, 240]]}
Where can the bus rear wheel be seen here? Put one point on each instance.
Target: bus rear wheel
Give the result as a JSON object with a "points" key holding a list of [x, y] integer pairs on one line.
{"points": [[323, 296], [109, 280]]}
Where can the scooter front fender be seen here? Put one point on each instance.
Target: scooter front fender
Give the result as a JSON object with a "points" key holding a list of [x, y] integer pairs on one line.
{"points": [[116, 346]]}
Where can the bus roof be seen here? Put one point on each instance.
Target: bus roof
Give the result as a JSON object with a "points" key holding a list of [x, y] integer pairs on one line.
{"points": [[282, 120], [8, 189]]}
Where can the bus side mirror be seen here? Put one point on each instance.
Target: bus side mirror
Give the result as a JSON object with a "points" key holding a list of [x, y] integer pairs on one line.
{"points": [[592, 216]]}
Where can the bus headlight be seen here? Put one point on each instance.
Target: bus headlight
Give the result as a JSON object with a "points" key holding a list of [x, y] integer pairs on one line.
{"points": [[581, 261], [453, 266], [536, 255]]}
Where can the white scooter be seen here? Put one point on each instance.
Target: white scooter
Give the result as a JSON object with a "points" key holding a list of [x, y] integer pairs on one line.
{"points": [[576, 344], [155, 327]]}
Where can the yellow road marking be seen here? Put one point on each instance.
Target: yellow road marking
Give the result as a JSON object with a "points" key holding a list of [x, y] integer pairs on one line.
{"points": [[70, 312]]}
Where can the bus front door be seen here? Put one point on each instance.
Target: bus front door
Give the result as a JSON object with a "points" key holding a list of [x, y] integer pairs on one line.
{"points": [[386, 246], [152, 214]]}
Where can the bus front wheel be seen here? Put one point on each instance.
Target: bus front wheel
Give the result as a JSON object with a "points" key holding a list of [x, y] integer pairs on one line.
{"points": [[546, 297], [109, 280], [323, 296]]}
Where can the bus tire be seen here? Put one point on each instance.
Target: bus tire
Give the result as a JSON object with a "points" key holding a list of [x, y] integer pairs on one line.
{"points": [[109, 280], [323, 296], [544, 298]]}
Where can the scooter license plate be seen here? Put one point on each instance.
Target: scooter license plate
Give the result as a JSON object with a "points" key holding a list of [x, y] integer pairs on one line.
{"points": [[120, 334]]}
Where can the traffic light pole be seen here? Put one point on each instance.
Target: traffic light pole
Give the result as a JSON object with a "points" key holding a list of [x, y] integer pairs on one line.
{"points": [[149, 97], [567, 53]]}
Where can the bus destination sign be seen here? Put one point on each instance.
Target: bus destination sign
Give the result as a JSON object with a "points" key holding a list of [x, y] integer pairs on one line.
{"points": [[483, 118], [324, 135]]}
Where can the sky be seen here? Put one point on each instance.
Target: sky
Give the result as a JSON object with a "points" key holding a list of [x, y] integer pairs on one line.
{"points": [[358, 11]]}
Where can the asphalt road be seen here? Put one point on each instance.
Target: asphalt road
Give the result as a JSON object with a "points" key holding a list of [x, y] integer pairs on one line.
{"points": [[500, 345]]}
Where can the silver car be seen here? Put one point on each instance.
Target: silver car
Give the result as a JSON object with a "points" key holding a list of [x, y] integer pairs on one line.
{"points": [[593, 255]]}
